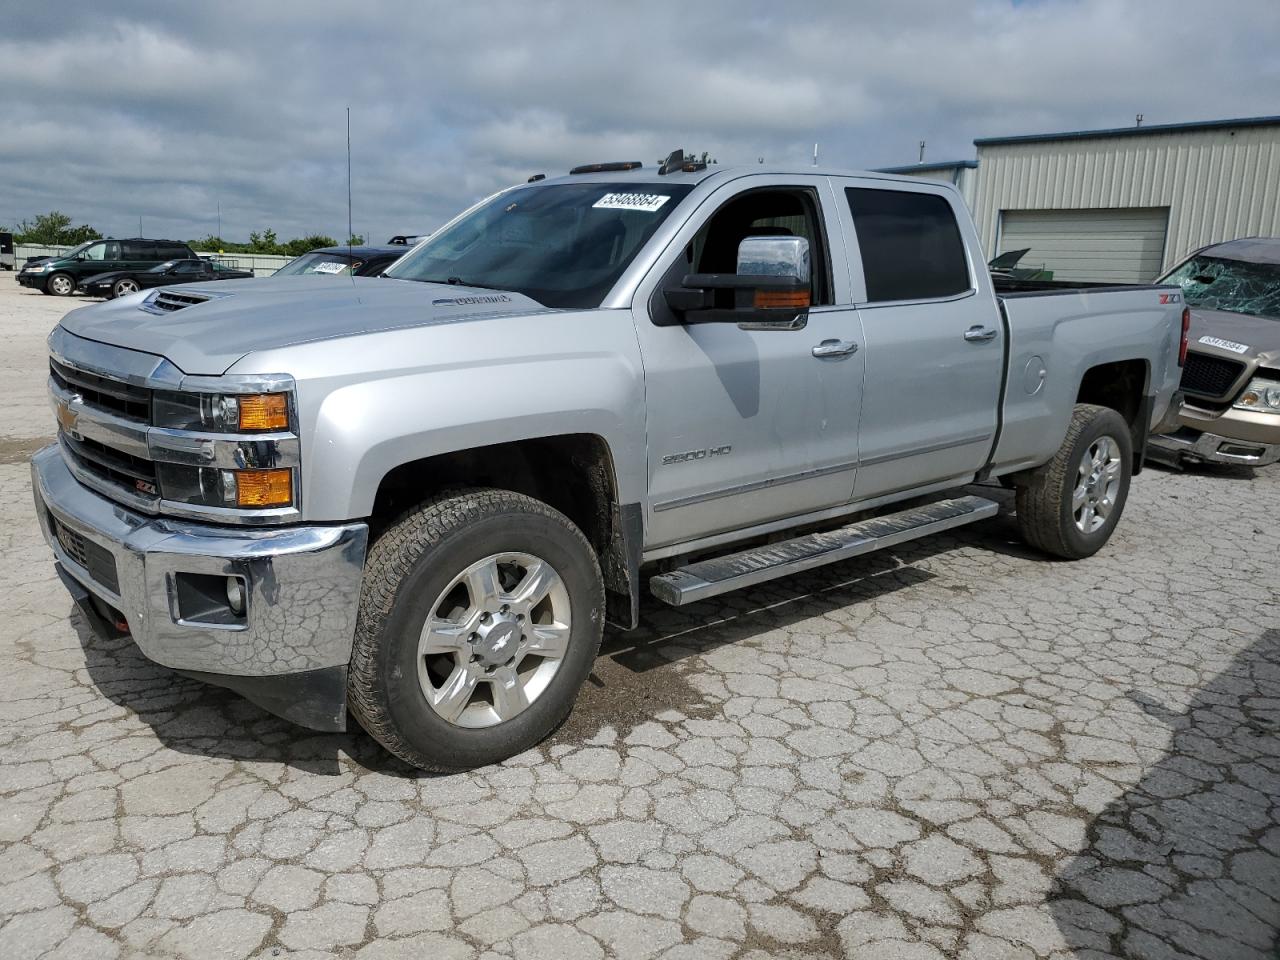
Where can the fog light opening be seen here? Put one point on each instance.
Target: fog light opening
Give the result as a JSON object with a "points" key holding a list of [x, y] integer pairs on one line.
{"points": [[235, 595]]}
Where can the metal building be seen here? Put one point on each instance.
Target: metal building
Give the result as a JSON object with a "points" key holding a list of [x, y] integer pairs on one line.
{"points": [[962, 173], [1125, 204]]}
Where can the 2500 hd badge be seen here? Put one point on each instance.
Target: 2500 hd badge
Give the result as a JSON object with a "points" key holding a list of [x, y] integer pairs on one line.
{"points": [[688, 455]]}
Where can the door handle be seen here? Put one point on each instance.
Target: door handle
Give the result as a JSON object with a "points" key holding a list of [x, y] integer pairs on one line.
{"points": [[979, 334], [835, 348]]}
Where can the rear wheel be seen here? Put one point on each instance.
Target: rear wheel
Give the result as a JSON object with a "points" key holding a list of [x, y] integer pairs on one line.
{"points": [[480, 618], [122, 288], [60, 285], [1070, 506]]}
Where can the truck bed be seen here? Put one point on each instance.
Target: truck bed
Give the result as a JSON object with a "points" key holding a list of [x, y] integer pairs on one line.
{"points": [[1058, 330]]}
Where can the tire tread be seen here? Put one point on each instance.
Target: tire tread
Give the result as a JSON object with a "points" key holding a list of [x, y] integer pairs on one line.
{"points": [[391, 559], [1039, 500]]}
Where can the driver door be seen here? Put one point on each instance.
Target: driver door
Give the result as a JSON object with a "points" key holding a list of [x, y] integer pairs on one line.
{"points": [[749, 425]]}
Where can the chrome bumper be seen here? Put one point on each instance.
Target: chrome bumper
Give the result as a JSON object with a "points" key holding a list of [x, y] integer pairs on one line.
{"points": [[302, 585], [1211, 448]]}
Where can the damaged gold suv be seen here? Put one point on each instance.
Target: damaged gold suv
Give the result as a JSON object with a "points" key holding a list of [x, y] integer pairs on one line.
{"points": [[1231, 381]]}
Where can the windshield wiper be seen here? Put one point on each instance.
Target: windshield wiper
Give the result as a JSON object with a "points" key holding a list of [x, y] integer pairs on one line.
{"points": [[457, 282]]}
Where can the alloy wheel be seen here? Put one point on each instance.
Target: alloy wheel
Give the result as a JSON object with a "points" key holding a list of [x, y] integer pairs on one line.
{"points": [[494, 639], [1097, 484]]}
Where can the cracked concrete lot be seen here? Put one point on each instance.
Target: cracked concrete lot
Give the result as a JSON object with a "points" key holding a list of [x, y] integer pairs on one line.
{"points": [[957, 749]]}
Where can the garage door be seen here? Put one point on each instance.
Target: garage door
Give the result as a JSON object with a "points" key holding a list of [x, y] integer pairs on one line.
{"points": [[1123, 245]]}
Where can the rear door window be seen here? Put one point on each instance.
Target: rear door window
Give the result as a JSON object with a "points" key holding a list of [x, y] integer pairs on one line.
{"points": [[910, 245]]}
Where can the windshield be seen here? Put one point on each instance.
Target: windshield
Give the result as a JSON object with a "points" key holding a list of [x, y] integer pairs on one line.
{"points": [[563, 245], [1231, 285], [74, 251], [323, 263]]}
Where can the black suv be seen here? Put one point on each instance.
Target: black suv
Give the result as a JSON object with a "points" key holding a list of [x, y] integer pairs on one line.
{"points": [[62, 275]]}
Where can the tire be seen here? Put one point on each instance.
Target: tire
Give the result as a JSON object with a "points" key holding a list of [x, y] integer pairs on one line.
{"points": [[124, 287], [60, 285], [1069, 507], [419, 568]]}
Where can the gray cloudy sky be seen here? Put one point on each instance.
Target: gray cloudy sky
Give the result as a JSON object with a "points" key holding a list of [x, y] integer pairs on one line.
{"points": [[164, 110]]}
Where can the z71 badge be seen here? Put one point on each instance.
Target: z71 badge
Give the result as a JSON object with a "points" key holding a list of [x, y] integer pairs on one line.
{"points": [[688, 455]]}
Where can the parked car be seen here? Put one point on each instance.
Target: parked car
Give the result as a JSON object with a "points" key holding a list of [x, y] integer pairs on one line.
{"points": [[7, 259], [368, 261], [1230, 411], [120, 283], [63, 275], [1005, 267], [420, 497]]}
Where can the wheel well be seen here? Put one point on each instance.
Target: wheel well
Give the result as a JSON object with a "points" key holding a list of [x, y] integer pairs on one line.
{"points": [[573, 473], [1122, 386]]}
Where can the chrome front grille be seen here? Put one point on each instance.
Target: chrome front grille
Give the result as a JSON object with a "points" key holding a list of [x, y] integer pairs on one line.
{"points": [[115, 396], [136, 475]]}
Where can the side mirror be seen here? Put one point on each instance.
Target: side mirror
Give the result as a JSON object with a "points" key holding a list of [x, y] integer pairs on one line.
{"points": [[770, 290]]}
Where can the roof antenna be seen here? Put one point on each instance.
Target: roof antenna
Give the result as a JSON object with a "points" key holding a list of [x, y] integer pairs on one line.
{"points": [[815, 154], [350, 256], [921, 159]]}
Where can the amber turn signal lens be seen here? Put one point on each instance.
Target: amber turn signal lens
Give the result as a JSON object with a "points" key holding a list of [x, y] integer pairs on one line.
{"points": [[264, 411], [264, 488], [781, 299]]}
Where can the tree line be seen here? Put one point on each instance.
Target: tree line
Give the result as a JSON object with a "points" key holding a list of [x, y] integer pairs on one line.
{"points": [[55, 229]]}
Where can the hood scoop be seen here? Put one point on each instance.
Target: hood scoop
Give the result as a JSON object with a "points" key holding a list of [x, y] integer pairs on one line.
{"points": [[165, 301]]}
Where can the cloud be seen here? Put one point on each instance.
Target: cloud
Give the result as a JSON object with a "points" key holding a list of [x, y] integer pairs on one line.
{"points": [[124, 111]]}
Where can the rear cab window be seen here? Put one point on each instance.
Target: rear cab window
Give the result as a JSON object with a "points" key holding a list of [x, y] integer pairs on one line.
{"points": [[910, 245]]}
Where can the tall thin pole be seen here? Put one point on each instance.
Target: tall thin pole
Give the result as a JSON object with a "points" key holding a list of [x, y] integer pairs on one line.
{"points": [[219, 233], [349, 233], [139, 224]]}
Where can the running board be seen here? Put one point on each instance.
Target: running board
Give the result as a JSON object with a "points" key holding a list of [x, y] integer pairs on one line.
{"points": [[709, 578]]}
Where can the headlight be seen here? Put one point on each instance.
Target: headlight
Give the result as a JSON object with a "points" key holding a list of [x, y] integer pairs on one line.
{"points": [[237, 489], [222, 413], [1261, 394], [38, 268]]}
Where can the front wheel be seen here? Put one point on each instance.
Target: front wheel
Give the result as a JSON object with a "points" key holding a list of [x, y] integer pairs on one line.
{"points": [[1070, 506], [122, 288], [480, 617], [60, 285]]}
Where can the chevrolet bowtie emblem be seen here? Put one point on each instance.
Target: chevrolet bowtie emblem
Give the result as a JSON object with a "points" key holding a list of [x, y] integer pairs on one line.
{"points": [[67, 413]]}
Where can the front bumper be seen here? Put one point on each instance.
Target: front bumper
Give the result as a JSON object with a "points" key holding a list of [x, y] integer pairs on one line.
{"points": [[35, 280], [1191, 444], [290, 648]]}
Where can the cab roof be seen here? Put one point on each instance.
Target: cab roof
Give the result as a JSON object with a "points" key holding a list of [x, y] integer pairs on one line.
{"points": [[1248, 249], [649, 174]]}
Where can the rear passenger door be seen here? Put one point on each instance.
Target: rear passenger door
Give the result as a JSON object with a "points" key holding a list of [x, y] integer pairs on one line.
{"points": [[934, 343], [137, 254]]}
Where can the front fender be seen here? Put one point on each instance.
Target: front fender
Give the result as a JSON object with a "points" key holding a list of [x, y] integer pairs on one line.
{"points": [[367, 407]]}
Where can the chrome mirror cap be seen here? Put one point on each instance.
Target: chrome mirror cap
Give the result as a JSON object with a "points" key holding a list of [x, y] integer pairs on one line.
{"points": [[774, 257]]}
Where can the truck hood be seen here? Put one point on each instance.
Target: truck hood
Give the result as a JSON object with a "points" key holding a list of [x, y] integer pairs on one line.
{"points": [[1258, 336], [234, 318]]}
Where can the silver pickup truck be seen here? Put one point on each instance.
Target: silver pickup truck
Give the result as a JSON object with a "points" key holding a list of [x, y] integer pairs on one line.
{"points": [[419, 497]]}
